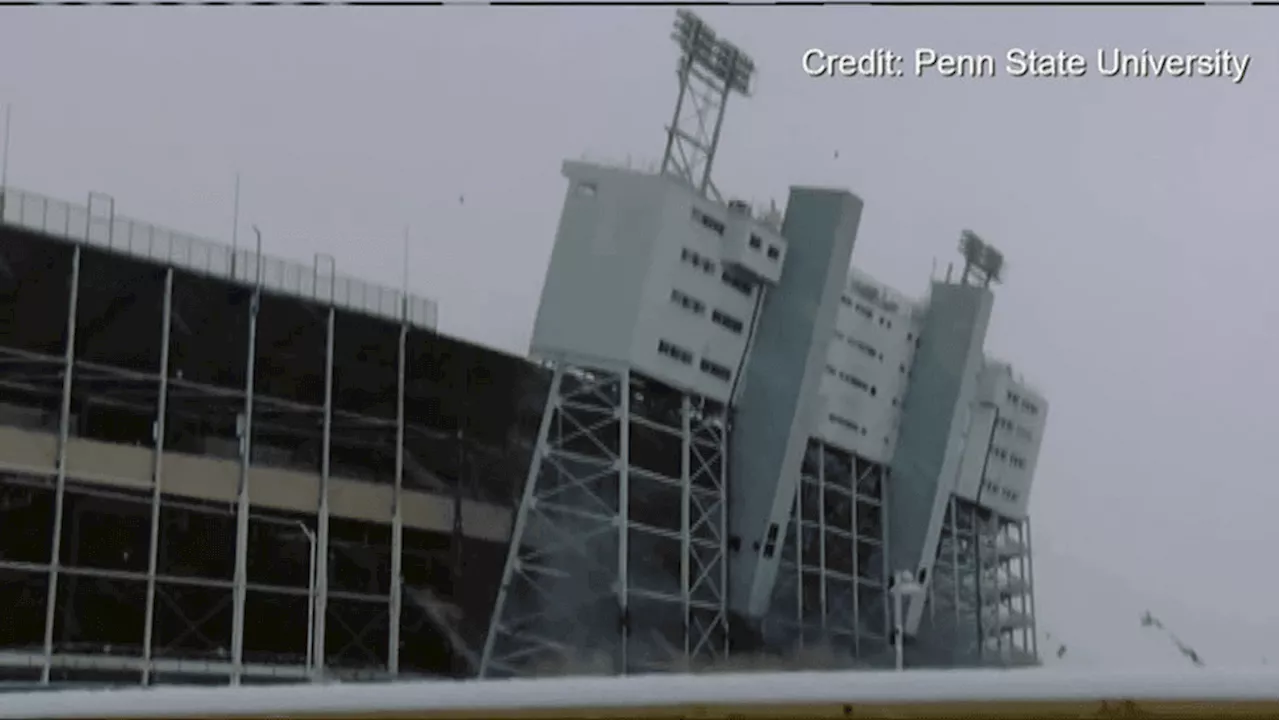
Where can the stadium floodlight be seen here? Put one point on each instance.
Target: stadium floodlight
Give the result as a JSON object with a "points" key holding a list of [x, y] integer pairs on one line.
{"points": [[719, 57], [982, 262], [711, 69]]}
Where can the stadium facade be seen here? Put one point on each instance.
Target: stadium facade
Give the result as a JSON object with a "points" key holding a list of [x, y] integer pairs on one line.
{"points": [[221, 467]]}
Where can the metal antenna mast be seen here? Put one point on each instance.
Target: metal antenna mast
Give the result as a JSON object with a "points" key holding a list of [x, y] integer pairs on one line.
{"points": [[710, 70]]}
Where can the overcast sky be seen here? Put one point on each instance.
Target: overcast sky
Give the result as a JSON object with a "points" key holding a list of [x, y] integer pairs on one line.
{"points": [[1139, 216]]}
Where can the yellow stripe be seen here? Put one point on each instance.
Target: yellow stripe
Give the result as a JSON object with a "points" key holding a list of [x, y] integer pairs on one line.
{"points": [[1030, 710]]}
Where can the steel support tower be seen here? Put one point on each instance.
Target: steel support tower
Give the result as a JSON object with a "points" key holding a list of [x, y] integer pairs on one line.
{"points": [[710, 70], [832, 588], [617, 558], [981, 602]]}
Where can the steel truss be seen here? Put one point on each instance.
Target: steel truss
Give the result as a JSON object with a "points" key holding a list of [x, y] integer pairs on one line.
{"points": [[617, 556], [981, 598], [832, 584], [107, 543]]}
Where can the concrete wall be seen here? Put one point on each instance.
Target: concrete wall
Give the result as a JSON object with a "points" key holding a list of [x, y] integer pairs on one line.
{"points": [[776, 410], [936, 420]]}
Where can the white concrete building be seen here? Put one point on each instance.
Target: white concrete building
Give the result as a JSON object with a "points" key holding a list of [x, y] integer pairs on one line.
{"points": [[848, 427]]}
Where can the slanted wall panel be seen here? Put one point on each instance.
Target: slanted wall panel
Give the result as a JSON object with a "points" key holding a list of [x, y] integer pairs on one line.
{"points": [[775, 410]]}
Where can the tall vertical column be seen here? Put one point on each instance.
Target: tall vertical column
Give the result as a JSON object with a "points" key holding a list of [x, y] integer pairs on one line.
{"points": [[322, 513], [686, 497], [157, 473], [886, 569], [397, 518], [797, 516], [624, 518], [722, 444], [241, 580], [952, 509], [853, 549], [822, 539], [1031, 583], [60, 489], [979, 568]]}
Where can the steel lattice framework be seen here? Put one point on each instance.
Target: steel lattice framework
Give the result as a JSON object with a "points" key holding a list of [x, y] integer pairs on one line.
{"points": [[981, 607], [831, 587], [617, 555], [710, 70]]}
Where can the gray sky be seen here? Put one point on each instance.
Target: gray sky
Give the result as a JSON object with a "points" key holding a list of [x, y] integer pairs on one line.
{"points": [[1139, 215]]}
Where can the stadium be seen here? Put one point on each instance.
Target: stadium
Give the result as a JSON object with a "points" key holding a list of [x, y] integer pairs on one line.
{"points": [[217, 466]]}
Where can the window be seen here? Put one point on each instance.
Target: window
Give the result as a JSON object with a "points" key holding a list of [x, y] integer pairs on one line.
{"points": [[1030, 407], [863, 310], [585, 189], [846, 301], [708, 222], [688, 302], [855, 382], [866, 349], [732, 324], [755, 242], [773, 253], [736, 283], [675, 352], [704, 264], [846, 424], [715, 370]]}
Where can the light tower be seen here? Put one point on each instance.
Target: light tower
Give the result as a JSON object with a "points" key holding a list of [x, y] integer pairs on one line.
{"points": [[983, 264], [618, 549], [711, 69]]}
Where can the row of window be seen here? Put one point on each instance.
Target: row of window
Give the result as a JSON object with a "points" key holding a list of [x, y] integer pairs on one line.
{"points": [[755, 242], [708, 222], [702, 262], [708, 266], [866, 348], [852, 380], [1012, 458], [675, 352], [847, 424], [697, 307], [868, 313], [1004, 492], [1018, 401], [688, 302], [684, 356], [1004, 423]]}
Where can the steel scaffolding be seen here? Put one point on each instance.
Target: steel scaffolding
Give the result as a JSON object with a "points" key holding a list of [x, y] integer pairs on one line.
{"points": [[832, 579], [981, 603], [121, 561], [617, 557]]}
